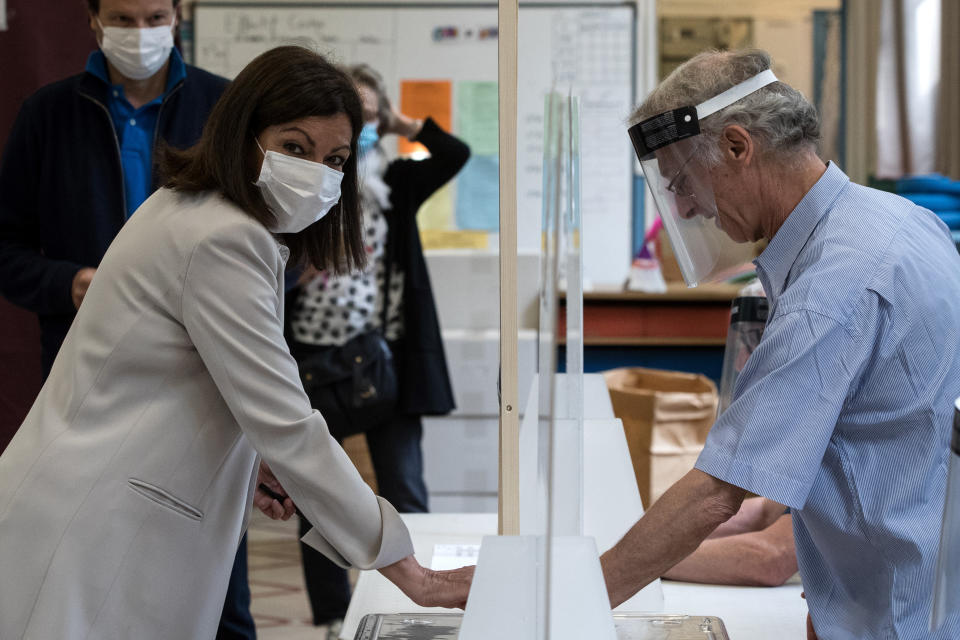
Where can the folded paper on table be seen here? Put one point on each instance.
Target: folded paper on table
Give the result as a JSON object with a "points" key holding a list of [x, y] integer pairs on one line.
{"points": [[454, 556]]}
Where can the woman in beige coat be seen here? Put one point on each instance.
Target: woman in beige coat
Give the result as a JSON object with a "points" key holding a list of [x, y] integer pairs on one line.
{"points": [[126, 490]]}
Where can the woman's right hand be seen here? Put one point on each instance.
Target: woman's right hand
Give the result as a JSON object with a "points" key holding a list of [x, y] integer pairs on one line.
{"points": [[274, 509], [429, 588]]}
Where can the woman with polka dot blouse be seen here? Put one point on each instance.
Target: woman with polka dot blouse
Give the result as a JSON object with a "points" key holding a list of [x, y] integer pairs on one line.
{"points": [[330, 310]]}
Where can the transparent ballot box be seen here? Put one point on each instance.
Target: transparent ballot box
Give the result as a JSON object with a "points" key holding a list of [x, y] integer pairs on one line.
{"points": [[446, 626]]}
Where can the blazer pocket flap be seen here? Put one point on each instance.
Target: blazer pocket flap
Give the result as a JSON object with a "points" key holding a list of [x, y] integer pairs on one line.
{"points": [[165, 499]]}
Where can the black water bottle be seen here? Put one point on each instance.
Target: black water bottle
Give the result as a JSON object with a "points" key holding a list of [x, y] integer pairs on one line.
{"points": [[748, 317]]}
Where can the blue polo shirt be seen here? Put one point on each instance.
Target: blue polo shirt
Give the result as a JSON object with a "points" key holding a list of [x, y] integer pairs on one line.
{"points": [[135, 127], [844, 410]]}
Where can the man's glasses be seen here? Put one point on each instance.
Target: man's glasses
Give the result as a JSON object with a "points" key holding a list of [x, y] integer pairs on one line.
{"points": [[678, 184]]}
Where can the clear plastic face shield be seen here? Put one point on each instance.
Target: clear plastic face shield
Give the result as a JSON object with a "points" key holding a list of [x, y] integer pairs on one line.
{"points": [[671, 153]]}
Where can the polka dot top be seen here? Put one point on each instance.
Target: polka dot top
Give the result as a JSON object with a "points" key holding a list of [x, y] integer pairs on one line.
{"points": [[332, 310]]}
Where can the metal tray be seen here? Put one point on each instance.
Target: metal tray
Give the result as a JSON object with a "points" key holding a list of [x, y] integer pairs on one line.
{"points": [[446, 626]]}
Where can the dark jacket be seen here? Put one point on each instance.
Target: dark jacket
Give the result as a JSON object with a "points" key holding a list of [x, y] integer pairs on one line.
{"points": [[61, 188], [424, 380]]}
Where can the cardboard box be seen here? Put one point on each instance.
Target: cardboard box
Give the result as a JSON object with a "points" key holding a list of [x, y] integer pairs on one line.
{"points": [[480, 503], [466, 288], [460, 455], [473, 359]]}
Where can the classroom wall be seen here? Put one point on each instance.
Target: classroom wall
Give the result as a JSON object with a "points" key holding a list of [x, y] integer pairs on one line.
{"points": [[782, 27], [591, 49], [45, 40]]}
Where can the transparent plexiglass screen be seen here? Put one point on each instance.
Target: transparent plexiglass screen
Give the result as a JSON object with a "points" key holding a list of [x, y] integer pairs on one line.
{"points": [[560, 429]]}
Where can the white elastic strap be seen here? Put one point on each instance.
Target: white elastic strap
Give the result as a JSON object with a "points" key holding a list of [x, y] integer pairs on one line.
{"points": [[734, 93]]}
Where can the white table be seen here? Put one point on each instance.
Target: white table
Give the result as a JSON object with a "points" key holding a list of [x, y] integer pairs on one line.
{"points": [[749, 613]]}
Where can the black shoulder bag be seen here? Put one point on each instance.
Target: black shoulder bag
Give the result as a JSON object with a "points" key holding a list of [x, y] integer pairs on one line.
{"points": [[353, 386]]}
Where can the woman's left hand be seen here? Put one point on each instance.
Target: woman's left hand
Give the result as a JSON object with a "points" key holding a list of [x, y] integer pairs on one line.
{"points": [[267, 503]]}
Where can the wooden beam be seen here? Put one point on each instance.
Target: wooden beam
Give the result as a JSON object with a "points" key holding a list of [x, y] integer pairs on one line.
{"points": [[509, 484]]}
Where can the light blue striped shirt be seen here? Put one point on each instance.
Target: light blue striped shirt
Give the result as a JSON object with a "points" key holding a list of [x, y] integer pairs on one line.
{"points": [[843, 412]]}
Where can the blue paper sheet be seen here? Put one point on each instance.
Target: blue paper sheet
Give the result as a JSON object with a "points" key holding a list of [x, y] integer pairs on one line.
{"points": [[478, 194]]}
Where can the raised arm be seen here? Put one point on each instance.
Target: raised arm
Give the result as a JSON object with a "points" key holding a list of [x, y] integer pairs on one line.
{"points": [[423, 177]]}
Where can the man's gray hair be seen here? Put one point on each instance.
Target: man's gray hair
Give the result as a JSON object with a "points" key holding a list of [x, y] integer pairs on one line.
{"points": [[778, 116]]}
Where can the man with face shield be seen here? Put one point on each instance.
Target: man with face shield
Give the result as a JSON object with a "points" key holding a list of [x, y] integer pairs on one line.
{"points": [[843, 412], [675, 160]]}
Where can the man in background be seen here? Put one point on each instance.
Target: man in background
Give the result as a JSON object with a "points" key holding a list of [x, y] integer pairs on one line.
{"points": [[81, 155]]}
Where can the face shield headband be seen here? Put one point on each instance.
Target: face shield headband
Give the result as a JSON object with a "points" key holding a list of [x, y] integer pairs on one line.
{"points": [[669, 148]]}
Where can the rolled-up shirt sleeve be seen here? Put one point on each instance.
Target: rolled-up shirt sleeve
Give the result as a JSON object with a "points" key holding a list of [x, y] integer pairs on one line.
{"points": [[772, 438], [230, 308]]}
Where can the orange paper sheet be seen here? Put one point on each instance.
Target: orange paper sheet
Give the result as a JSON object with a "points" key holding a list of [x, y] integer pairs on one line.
{"points": [[422, 98]]}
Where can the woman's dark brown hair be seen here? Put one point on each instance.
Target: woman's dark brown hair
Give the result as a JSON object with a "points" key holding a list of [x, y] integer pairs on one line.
{"points": [[278, 86]]}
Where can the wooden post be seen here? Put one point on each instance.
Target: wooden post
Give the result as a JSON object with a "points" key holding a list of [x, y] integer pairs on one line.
{"points": [[509, 485]]}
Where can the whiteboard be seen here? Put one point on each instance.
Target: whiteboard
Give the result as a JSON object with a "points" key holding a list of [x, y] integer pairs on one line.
{"points": [[588, 49]]}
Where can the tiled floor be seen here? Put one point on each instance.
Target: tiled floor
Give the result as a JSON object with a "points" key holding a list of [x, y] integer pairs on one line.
{"points": [[279, 602]]}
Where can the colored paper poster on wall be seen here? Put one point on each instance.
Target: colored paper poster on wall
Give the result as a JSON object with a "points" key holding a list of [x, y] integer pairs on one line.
{"points": [[423, 98], [442, 239], [478, 194], [477, 105], [3, 15], [437, 211]]}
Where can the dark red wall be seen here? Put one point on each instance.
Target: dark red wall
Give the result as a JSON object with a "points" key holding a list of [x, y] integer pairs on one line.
{"points": [[45, 40]]}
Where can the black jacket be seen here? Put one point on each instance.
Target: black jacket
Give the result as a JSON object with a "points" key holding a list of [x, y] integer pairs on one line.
{"points": [[61, 188], [424, 380], [418, 355]]}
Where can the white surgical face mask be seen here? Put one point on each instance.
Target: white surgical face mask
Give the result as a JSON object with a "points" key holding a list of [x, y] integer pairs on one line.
{"points": [[299, 192], [137, 53]]}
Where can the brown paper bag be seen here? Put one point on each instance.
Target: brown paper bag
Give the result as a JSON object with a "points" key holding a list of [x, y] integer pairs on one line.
{"points": [[359, 454], [666, 416]]}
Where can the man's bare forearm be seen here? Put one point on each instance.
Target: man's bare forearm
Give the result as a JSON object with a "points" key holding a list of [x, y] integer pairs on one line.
{"points": [[755, 514], [676, 524], [764, 558]]}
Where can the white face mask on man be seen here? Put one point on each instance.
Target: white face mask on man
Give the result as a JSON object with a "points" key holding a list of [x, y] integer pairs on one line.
{"points": [[137, 53], [298, 192]]}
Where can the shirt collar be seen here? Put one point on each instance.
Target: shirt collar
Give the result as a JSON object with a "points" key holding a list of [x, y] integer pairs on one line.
{"points": [[777, 259], [176, 72]]}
